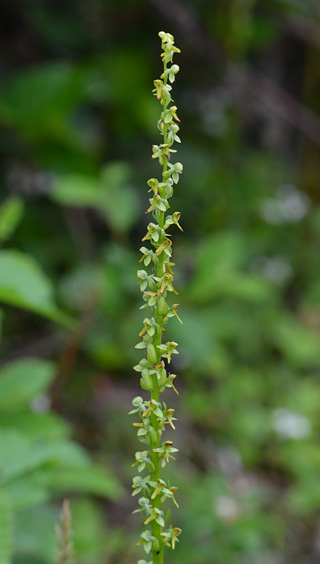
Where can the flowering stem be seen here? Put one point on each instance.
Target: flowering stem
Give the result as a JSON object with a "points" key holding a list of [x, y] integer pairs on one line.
{"points": [[155, 378]]}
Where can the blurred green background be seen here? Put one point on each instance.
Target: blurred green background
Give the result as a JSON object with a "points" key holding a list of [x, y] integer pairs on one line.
{"points": [[77, 122]]}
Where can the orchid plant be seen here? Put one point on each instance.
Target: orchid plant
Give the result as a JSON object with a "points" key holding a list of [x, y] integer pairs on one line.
{"points": [[155, 286]]}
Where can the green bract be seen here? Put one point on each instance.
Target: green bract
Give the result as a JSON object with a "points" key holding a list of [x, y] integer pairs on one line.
{"points": [[153, 414]]}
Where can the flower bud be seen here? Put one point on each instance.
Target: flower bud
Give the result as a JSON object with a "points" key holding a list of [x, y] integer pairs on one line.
{"points": [[152, 354], [146, 380], [153, 435], [162, 377], [162, 306]]}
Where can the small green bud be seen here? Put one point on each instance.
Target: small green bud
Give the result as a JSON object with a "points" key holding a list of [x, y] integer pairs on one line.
{"points": [[152, 284], [142, 274], [153, 435], [162, 377], [155, 544], [146, 380], [162, 306], [152, 354], [147, 339]]}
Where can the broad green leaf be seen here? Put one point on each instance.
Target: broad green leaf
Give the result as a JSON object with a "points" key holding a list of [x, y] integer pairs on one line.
{"points": [[26, 104], [19, 454], [6, 530], [15, 452], [299, 345], [77, 190], [226, 250], [304, 496], [119, 203], [22, 380], [244, 287], [93, 479], [34, 533], [36, 425], [10, 214], [198, 345], [91, 538], [112, 194], [216, 283], [63, 454], [79, 285], [29, 490], [218, 260], [23, 284], [301, 458]]}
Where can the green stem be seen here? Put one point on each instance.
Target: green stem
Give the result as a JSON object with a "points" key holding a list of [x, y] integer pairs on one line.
{"points": [[155, 475]]}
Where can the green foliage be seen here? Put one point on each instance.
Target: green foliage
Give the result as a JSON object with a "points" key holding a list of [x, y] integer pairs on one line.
{"points": [[17, 391], [24, 285], [26, 105], [218, 262], [37, 457], [11, 213], [87, 479], [6, 540], [111, 194]]}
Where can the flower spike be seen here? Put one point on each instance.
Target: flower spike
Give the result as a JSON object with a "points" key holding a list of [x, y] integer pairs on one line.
{"points": [[155, 285]]}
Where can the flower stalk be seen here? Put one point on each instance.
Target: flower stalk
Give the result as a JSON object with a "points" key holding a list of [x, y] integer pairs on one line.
{"points": [[64, 536], [154, 366]]}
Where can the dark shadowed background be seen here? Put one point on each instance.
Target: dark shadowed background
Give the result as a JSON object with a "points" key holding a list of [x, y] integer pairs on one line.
{"points": [[77, 122]]}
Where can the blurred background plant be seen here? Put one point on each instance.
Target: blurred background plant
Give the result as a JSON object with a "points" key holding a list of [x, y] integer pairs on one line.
{"points": [[77, 120]]}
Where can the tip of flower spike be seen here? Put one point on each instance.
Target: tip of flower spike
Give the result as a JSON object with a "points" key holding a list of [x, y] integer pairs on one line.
{"points": [[164, 34]]}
